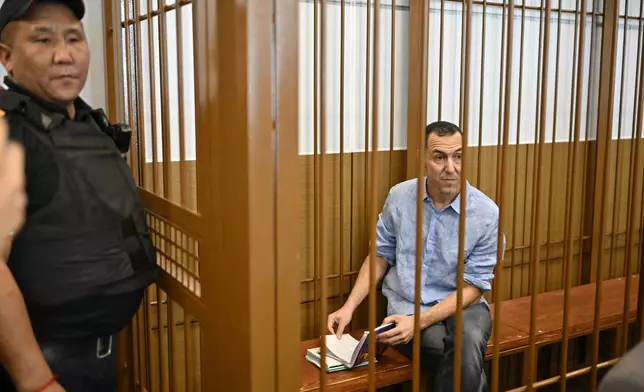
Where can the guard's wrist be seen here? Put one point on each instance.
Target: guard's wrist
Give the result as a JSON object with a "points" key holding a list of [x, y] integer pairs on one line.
{"points": [[49, 383]]}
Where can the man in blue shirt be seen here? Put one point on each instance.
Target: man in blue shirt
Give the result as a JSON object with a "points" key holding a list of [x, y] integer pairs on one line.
{"points": [[396, 255]]}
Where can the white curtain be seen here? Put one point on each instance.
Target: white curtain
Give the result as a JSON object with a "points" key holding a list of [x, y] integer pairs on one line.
{"points": [[187, 77], [629, 60], [490, 105], [525, 132], [355, 100]]}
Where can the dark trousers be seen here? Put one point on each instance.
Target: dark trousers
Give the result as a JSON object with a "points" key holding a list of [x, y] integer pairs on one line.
{"points": [[437, 350], [77, 365]]}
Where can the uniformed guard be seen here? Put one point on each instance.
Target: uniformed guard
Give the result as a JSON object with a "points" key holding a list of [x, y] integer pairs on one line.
{"points": [[84, 256]]}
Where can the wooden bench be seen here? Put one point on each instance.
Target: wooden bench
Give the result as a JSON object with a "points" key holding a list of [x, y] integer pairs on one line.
{"points": [[514, 333]]}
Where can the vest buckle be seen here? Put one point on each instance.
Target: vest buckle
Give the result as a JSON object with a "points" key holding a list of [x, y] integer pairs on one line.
{"points": [[103, 350]]}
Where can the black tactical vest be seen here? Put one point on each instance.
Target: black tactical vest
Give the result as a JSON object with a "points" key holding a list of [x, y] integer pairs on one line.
{"points": [[91, 240]]}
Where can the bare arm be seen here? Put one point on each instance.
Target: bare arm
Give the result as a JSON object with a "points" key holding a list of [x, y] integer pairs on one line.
{"points": [[5, 248], [384, 257], [447, 307], [337, 321], [361, 287], [19, 351]]}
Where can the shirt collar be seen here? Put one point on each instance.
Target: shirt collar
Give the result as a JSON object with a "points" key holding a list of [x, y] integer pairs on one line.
{"points": [[456, 204], [81, 106]]}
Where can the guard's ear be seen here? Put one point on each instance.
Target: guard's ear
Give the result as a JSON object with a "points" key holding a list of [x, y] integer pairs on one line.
{"points": [[5, 58]]}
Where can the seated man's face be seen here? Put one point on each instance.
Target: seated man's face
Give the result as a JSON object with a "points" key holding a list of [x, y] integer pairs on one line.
{"points": [[443, 164]]}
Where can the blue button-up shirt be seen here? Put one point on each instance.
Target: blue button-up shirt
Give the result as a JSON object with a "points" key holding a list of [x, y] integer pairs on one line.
{"points": [[396, 243]]}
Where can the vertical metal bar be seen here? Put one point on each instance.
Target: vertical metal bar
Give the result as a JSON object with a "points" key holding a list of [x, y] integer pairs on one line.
{"points": [[481, 101], [130, 358], [316, 168], [392, 89], [374, 198], [627, 266], [342, 46], [189, 352], [440, 62], [140, 342], [614, 13], [203, 113], [570, 203], [498, 280], [637, 136], [422, 113], [515, 197], [366, 116], [153, 97], [582, 221], [323, 267], [569, 184], [113, 54], [148, 331], [500, 128], [168, 188], [184, 196], [128, 62], [160, 333], [537, 146], [140, 125], [532, 350], [172, 337], [619, 166], [465, 93], [462, 68], [552, 146]]}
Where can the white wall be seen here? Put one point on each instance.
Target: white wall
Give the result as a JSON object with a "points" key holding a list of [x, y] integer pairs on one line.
{"points": [[94, 92]]}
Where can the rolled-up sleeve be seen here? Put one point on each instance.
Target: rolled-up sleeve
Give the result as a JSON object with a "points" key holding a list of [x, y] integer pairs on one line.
{"points": [[479, 266], [386, 232]]}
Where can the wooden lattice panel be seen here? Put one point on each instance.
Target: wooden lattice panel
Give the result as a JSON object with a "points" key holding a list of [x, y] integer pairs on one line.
{"points": [[177, 252]]}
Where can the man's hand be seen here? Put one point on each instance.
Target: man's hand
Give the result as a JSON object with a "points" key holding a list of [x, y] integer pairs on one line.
{"points": [[401, 334], [337, 321], [13, 199]]}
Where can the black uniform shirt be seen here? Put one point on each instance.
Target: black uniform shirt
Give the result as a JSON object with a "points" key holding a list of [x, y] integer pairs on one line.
{"points": [[88, 317], [41, 174]]}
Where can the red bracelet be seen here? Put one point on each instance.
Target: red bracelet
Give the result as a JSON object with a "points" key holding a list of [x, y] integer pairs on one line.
{"points": [[49, 383]]}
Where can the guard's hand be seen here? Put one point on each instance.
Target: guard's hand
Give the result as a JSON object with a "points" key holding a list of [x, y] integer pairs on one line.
{"points": [[401, 334], [13, 199], [337, 321]]}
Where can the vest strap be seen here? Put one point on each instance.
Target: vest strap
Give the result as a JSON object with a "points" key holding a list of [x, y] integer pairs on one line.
{"points": [[13, 102]]}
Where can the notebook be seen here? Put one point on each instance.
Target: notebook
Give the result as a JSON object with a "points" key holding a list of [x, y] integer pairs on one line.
{"points": [[332, 365], [347, 352]]}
